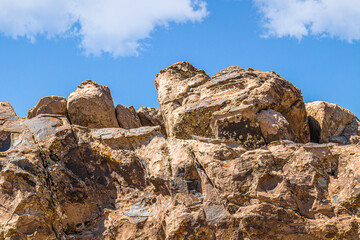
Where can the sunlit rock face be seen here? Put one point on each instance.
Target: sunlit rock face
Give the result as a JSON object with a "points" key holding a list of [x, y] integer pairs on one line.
{"points": [[331, 123], [224, 167], [227, 105], [91, 105], [49, 105]]}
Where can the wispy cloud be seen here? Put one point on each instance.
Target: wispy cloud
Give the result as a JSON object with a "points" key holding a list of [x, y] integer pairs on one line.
{"points": [[299, 18], [110, 26]]}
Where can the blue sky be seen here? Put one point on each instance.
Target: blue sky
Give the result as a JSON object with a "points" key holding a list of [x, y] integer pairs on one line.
{"points": [[49, 47]]}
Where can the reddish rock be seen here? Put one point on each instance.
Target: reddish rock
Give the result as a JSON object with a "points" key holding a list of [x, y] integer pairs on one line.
{"points": [[127, 117], [274, 126]]}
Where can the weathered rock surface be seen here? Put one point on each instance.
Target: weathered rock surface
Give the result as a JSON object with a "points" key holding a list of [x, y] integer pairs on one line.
{"points": [[274, 126], [127, 117], [331, 123], [150, 116], [91, 105], [49, 105], [226, 105], [61, 180]]}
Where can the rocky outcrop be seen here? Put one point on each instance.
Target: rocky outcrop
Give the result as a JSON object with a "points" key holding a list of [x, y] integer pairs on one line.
{"points": [[226, 105], [91, 105], [331, 123], [49, 105], [127, 117], [65, 180]]}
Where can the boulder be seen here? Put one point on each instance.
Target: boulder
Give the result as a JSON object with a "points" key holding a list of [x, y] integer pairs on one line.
{"points": [[7, 112], [329, 122], [91, 105], [150, 116], [274, 126], [49, 105], [226, 105], [127, 117]]}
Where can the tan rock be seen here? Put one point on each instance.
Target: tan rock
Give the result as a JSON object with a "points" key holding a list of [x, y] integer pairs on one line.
{"points": [[331, 123], [352, 132], [127, 117], [91, 105], [64, 181], [274, 126], [150, 116], [7, 112], [117, 138], [49, 105], [225, 106]]}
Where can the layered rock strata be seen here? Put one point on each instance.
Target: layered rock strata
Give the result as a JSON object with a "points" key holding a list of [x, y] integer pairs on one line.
{"points": [[77, 177]]}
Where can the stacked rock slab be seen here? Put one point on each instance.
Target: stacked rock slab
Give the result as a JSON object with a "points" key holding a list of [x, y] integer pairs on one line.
{"points": [[91, 105], [49, 105], [227, 105], [331, 123]]}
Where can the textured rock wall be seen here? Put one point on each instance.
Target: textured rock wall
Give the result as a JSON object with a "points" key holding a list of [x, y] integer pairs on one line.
{"points": [[227, 105], [237, 163]]}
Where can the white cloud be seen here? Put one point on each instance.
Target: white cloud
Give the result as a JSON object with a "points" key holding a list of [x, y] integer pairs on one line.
{"points": [[111, 26], [299, 18]]}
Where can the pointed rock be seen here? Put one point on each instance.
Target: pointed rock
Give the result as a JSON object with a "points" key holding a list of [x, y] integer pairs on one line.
{"points": [[127, 117]]}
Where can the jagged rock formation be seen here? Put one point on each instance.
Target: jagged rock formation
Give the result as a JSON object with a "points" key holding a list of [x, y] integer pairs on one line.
{"points": [[74, 177], [226, 105]]}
